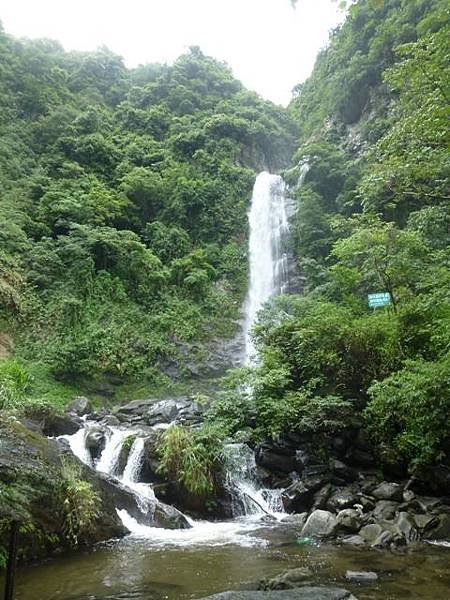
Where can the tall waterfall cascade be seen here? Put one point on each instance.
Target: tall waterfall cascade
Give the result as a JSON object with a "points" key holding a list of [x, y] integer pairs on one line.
{"points": [[250, 500], [268, 259]]}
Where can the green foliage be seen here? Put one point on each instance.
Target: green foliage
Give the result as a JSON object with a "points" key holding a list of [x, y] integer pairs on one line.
{"points": [[15, 382], [124, 197], [81, 503], [193, 458], [409, 411]]}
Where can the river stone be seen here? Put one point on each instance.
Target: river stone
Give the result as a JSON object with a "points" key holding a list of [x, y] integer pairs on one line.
{"points": [[388, 491], [272, 461], [303, 593], [342, 498], [288, 580], [55, 424], [406, 525], [425, 522], [320, 523], [353, 540], [79, 406], [385, 509], [296, 519], [361, 576], [349, 520], [343, 471], [299, 496], [442, 529], [95, 440], [370, 532]]}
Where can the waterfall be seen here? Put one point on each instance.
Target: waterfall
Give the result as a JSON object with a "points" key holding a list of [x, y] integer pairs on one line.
{"points": [[109, 458], [77, 443], [268, 262], [134, 462], [248, 495]]}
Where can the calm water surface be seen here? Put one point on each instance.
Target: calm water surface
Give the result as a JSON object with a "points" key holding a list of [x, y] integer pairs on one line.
{"points": [[142, 569]]}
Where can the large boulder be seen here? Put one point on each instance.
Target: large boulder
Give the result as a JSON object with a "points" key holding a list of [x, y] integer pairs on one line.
{"points": [[299, 496], [95, 440], [440, 528], [320, 523], [302, 593], [54, 424], [388, 491], [271, 460], [342, 498], [158, 412], [33, 487]]}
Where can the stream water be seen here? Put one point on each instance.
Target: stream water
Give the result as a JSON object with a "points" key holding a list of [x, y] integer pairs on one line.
{"points": [[154, 564]]}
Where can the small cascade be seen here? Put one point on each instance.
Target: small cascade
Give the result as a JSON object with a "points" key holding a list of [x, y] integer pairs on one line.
{"points": [[109, 458], [77, 443], [134, 462], [269, 273], [245, 488]]}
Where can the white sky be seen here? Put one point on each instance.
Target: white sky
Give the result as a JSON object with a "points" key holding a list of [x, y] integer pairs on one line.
{"points": [[269, 45]]}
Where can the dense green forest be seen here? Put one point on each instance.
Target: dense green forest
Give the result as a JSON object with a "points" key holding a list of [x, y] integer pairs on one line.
{"points": [[123, 208], [123, 202], [373, 215]]}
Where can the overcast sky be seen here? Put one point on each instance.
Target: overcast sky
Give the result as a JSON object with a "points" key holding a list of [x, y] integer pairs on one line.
{"points": [[269, 45]]}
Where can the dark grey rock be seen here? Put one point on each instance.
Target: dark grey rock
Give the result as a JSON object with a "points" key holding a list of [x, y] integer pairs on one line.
{"points": [[342, 498], [95, 440], [55, 424], [349, 520], [385, 509], [406, 525], [388, 491], [299, 496], [296, 519], [267, 458], [441, 531], [343, 471], [320, 523]]}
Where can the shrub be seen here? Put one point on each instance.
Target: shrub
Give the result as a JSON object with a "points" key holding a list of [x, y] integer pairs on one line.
{"points": [[409, 411]]}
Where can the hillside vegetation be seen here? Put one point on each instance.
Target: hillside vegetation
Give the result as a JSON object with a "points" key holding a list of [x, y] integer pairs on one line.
{"points": [[123, 198], [373, 216]]}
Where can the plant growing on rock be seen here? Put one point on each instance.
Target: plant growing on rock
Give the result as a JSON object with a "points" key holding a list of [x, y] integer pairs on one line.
{"points": [[81, 503], [192, 458]]}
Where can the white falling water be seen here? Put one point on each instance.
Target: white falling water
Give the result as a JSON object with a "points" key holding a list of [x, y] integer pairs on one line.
{"points": [[268, 261], [109, 458], [249, 497], [77, 443]]}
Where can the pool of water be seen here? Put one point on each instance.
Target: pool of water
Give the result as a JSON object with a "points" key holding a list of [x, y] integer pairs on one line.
{"points": [[171, 568]]}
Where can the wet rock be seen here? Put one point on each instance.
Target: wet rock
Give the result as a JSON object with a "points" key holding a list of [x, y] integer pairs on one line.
{"points": [[343, 471], [95, 441], [299, 496], [320, 523], [296, 519], [321, 497], [370, 532], [349, 520], [385, 509], [360, 458], [32, 473], [441, 531], [366, 503], [55, 424], [79, 406], [425, 522], [288, 580], [353, 540], [388, 491], [383, 540], [168, 517], [342, 498], [267, 458], [361, 576], [151, 459], [407, 527], [110, 421], [408, 495], [302, 593]]}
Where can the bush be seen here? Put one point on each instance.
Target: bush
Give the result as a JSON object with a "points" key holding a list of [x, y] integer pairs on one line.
{"points": [[192, 458], [14, 383], [81, 503], [409, 411]]}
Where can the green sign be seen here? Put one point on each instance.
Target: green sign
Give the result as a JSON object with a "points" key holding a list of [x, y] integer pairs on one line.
{"points": [[380, 299]]}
